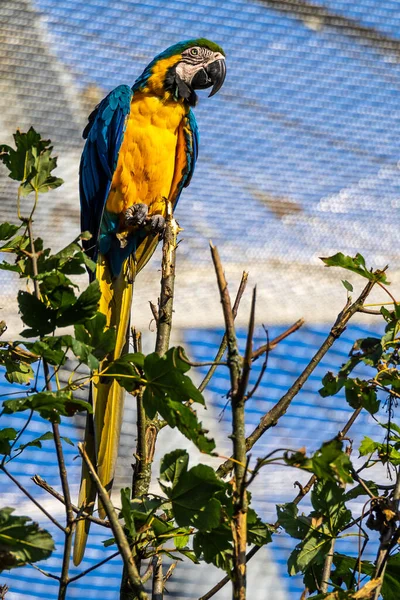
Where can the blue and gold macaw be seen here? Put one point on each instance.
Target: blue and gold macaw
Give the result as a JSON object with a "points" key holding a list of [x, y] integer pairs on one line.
{"points": [[140, 152]]}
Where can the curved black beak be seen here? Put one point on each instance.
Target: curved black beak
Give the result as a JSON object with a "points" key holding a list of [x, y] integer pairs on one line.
{"points": [[212, 75]]}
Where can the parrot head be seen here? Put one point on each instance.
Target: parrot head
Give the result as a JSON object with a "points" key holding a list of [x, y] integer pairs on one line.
{"points": [[189, 66]]}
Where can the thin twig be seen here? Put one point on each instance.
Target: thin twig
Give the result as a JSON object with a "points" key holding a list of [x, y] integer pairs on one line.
{"points": [[46, 573], [251, 393], [31, 498], [233, 352], [326, 571], [120, 537], [276, 412], [42, 483], [279, 338], [96, 566]]}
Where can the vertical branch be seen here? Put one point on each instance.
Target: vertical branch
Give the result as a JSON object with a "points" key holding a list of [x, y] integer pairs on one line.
{"points": [[158, 579], [148, 430], [239, 380], [70, 519], [166, 302], [223, 345]]}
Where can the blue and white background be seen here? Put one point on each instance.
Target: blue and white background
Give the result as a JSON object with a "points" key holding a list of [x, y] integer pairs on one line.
{"points": [[299, 158]]}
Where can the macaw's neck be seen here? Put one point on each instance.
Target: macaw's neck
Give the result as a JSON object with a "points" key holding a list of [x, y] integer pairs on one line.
{"points": [[160, 79]]}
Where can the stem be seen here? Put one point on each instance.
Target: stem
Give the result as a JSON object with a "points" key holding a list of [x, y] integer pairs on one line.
{"points": [[165, 309], [279, 338], [147, 430], [120, 537], [31, 498], [158, 579], [272, 416], [239, 380], [223, 345], [96, 566], [70, 519], [45, 486]]}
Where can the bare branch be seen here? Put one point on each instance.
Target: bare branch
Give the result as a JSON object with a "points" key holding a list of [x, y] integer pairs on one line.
{"points": [[273, 415], [223, 345], [279, 338], [31, 498], [42, 483], [158, 579], [96, 566], [165, 309]]}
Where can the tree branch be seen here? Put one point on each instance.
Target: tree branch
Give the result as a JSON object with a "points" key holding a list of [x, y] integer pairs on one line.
{"points": [[42, 483], [223, 345], [165, 308], [276, 412], [303, 491]]}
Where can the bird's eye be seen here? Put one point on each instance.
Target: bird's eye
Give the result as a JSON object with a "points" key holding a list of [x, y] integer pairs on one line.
{"points": [[194, 51]]}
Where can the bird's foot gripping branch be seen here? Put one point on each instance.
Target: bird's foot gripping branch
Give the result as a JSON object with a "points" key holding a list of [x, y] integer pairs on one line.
{"points": [[198, 514]]}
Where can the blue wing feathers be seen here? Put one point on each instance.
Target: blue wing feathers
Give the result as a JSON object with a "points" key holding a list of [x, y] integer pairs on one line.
{"points": [[104, 134], [192, 147]]}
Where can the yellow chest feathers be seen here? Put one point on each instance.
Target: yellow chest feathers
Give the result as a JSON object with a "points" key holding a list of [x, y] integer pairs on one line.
{"points": [[146, 161]]}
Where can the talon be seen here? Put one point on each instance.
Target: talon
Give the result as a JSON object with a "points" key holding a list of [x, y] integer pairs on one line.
{"points": [[155, 223], [135, 216]]}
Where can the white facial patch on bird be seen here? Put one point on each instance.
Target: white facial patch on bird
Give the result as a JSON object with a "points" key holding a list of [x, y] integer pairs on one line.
{"points": [[194, 59]]}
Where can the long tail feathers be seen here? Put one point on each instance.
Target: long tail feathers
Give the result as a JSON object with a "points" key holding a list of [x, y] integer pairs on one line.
{"points": [[102, 439]]}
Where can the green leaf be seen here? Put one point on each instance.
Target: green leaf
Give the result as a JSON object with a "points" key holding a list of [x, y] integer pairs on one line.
{"points": [[347, 285], [328, 499], [312, 549], [83, 309], [7, 435], [17, 371], [193, 500], [288, 519], [16, 160], [127, 513], [50, 405], [331, 385], [368, 446], [331, 463], [258, 532], [22, 541], [49, 348], [37, 443], [215, 547], [360, 393], [166, 390], [36, 315], [95, 333], [184, 418], [166, 376], [173, 465], [7, 230], [355, 264]]}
